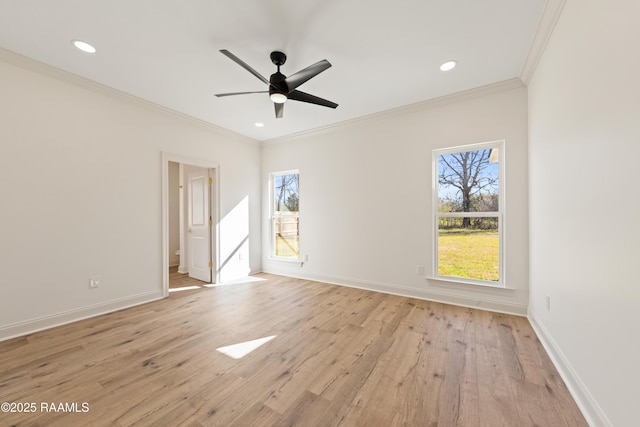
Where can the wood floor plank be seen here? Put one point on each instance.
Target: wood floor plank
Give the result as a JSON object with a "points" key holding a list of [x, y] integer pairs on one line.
{"points": [[258, 415], [398, 396], [497, 404], [348, 403], [460, 405], [337, 356], [305, 410], [469, 393], [299, 372], [508, 351]]}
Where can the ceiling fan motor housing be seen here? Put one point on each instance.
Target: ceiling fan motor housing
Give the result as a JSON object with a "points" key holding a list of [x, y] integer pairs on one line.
{"points": [[277, 84]]}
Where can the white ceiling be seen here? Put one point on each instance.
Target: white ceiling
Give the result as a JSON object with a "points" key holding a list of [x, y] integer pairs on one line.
{"points": [[385, 54]]}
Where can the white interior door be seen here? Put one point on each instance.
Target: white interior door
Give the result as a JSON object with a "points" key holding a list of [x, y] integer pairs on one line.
{"points": [[199, 230]]}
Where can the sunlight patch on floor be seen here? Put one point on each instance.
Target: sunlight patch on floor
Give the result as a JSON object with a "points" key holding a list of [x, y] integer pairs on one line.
{"points": [[249, 279], [238, 351], [185, 288]]}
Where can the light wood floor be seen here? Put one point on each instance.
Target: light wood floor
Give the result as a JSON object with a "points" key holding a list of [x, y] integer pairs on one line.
{"points": [[339, 356], [182, 281]]}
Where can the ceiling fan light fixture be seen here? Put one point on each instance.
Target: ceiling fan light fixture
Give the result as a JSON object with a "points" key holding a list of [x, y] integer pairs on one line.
{"points": [[281, 87], [84, 46], [278, 98], [448, 66]]}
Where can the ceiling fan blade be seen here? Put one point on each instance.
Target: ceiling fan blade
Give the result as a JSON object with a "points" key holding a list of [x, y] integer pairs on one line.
{"points": [[295, 80], [296, 95], [240, 93], [279, 109], [243, 64]]}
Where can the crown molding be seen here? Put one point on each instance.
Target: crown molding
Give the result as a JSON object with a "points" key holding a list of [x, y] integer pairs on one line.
{"points": [[29, 64], [550, 15], [465, 95]]}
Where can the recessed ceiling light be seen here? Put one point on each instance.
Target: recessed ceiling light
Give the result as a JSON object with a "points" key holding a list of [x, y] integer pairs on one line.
{"points": [[84, 46], [449, 65], [259, 125]]}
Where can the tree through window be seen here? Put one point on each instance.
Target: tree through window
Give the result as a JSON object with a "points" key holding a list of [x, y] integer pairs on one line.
{"points": [[467, 201], [285, 216]]}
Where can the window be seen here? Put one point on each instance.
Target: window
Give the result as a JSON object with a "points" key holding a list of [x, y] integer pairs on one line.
{"points": [[285, 231], [469, 213]]}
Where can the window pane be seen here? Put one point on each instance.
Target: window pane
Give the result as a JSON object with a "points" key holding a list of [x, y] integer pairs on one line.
{"points": [[469, 248], [287, 237], [468, 181], [286, 193]]}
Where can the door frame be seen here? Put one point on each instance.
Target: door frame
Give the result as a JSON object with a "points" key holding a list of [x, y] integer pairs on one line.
{"points": [[214, 202]]}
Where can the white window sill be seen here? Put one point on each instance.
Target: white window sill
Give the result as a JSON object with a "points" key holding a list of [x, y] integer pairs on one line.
{"points": [[460, 281], [288, 260]]}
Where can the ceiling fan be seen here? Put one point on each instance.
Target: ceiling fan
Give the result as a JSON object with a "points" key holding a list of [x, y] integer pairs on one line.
{"points": [[282, 87]]}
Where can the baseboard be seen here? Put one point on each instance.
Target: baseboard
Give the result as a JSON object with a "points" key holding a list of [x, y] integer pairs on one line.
{"points": [[592, 412], [387, 288], [58, 319]]}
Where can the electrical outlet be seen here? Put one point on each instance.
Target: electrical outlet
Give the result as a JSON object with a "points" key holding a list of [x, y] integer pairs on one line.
{"points": [[94, 282], [305, 258], [420, 270], [548, 302]]}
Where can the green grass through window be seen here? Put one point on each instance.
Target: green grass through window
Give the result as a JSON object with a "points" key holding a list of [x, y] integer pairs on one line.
{"points": [[469, 253]]}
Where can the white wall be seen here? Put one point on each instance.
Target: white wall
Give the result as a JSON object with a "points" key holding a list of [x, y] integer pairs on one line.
{"points": [[80, 185], [584, 119], [365, 203]]}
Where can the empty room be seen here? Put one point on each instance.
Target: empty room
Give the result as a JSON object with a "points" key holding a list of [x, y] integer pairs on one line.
{"points": [[319, 213]]}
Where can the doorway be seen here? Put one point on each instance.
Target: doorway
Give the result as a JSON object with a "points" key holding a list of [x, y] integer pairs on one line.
{"points": [[190, 201]]}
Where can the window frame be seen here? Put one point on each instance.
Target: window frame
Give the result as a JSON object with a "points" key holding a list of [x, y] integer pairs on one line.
{"points": [[273, 215], [500, 214]]}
